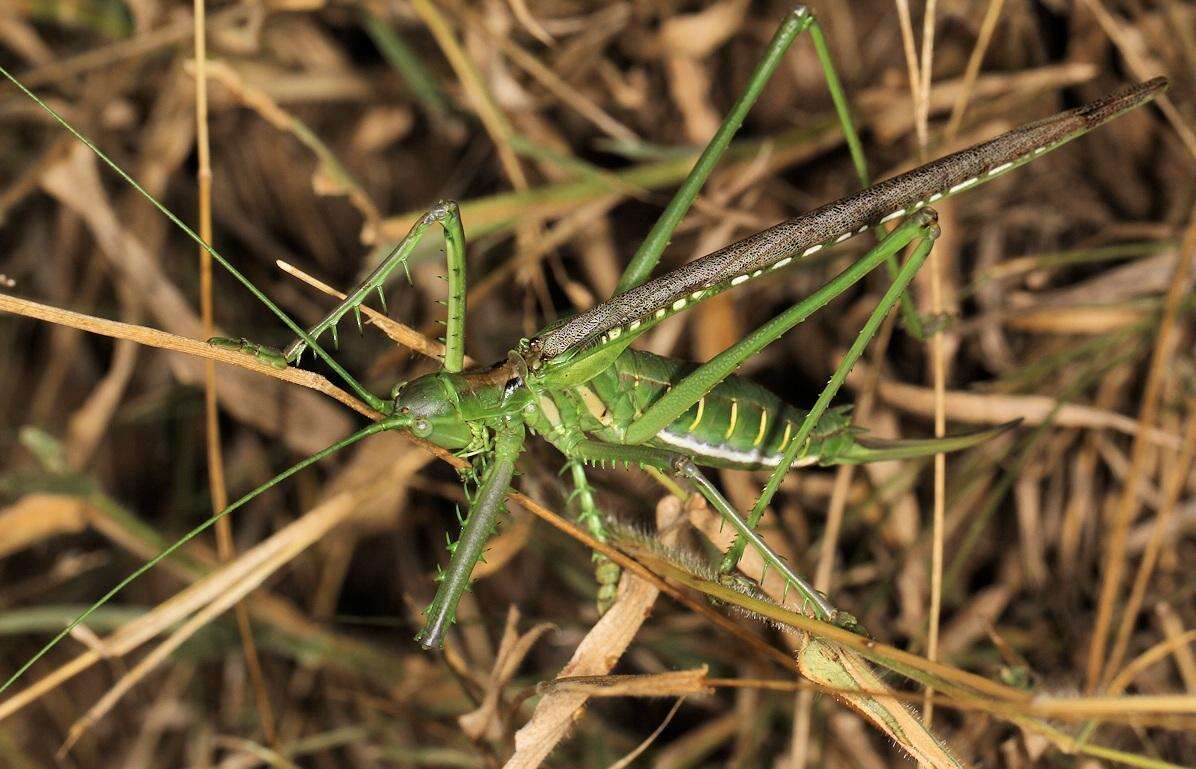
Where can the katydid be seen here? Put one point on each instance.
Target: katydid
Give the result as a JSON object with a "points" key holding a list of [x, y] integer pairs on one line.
{"points": [[579, 384]]}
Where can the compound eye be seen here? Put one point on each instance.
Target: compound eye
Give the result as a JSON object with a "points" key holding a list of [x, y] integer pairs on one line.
{"points": [[421, 428]]}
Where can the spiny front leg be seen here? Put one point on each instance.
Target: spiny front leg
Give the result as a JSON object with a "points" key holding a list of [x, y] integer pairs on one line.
{"points": [[448, 216], [467, 551], [606, 571]]}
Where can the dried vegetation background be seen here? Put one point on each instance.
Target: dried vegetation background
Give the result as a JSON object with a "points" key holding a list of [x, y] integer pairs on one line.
{"points": [[562, 127]]}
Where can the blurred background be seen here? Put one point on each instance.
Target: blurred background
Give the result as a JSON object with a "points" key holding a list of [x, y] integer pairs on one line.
{"points": [[562, 128]]}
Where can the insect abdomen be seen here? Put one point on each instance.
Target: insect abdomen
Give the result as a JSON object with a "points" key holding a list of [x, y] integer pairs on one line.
{"points": [[738, 424]]}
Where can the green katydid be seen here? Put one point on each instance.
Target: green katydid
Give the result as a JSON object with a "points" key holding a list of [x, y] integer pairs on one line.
{"points": [[580, 386]]}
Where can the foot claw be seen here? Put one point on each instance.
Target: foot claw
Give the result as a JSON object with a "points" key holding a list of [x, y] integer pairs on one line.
{"points": [[261, 352], [929, 325]]}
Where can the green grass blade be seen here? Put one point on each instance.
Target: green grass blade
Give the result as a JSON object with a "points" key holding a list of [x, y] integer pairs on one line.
{"points": [[377, 427]]}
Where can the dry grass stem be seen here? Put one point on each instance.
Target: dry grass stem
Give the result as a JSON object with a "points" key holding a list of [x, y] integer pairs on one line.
{"points": [[556, 712], [1160, 362], [988, 25], [994, 409], [1178, 471], [236, 576], [37, 517], [216, 478], [152, 337], [1131, 49]]}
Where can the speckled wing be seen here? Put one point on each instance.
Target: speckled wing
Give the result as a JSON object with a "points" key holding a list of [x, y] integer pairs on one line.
{"points": [[636, 310]]}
